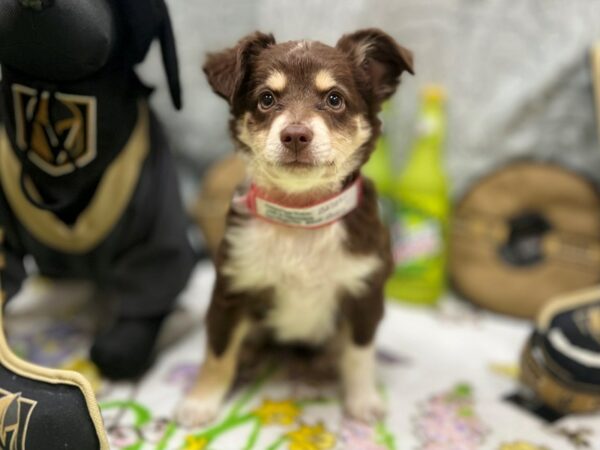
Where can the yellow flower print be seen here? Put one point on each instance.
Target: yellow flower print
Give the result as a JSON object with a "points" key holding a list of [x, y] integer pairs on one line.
{"points": [[521, 445], [309, 437], [195, 443], [283, 412]]}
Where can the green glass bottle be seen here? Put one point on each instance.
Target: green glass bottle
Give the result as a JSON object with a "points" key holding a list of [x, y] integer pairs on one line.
{"points": [[422, 209]]}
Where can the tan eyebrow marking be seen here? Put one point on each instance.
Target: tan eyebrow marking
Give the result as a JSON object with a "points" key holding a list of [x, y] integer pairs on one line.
{"points": [[324, 80], [276, 81]]}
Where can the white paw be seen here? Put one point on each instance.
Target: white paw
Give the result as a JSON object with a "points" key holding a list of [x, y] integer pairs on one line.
{"points": [[194, 412], [365, 405]]}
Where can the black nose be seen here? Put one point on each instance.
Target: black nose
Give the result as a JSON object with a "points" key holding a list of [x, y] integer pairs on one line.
{"points": [[296, 137]]}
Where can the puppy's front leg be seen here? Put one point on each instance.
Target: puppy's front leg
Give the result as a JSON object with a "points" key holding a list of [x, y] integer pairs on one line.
{"points": [[362, 401], [227, 330]]}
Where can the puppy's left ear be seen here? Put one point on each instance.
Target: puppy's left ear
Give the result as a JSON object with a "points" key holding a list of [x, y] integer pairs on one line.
{"points": [[379, 57]]}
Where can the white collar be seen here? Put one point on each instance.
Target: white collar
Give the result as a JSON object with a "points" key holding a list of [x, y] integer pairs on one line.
{"points": [[320, 214]]}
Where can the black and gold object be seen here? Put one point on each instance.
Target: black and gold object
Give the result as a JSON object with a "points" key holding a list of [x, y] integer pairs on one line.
{"points": [[43, 408], [88, 186], [523, 235], [560, 363]]}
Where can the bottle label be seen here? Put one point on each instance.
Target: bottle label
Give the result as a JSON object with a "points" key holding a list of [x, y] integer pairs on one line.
{"points": [[416, 239]]}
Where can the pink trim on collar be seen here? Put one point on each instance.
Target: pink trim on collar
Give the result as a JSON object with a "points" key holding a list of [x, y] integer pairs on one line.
{"points": [[320, 214]]}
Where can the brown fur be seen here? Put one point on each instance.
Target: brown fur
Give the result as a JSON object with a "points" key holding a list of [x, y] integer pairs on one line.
{"points": [[365, 69], [228, 308], [363, 314], [368, 64]]}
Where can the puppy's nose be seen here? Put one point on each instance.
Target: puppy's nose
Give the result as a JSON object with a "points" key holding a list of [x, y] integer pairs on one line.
{"points": [[296, 137]]}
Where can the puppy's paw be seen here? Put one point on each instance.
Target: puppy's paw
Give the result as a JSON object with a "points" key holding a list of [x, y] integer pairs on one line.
{"points": [[194, 411], [365, 405]]}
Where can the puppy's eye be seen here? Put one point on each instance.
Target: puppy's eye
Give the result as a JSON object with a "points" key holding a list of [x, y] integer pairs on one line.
{"points": [[335, 100], [266, 100]]}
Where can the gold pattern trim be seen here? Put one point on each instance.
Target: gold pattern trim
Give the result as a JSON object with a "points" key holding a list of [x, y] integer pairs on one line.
{"points": [[112, 196], [53, 376], [14, 427]]}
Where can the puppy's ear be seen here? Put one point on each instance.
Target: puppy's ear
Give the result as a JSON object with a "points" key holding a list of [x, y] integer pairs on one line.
{"points": [[227, 69], [380, 59]]}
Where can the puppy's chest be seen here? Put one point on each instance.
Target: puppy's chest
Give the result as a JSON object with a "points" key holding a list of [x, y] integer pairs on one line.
{"points": [[307, 271]]}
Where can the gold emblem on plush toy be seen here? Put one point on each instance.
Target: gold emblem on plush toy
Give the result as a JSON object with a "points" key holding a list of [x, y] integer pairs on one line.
{"points": [[57, 130], [15, 412]]}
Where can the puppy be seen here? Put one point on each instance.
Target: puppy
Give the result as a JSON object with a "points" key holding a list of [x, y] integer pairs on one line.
{"points": [[305, 255]]}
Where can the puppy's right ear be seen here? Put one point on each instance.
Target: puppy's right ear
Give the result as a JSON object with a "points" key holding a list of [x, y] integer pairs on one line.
{"points": [[380, 59], [226, 70]]}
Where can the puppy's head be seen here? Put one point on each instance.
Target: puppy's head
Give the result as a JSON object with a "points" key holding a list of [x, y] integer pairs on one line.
{"points": [[305, 112]]}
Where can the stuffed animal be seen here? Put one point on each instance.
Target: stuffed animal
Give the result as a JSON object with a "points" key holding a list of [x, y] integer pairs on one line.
{"points": [[87, 182], [560, 363]]}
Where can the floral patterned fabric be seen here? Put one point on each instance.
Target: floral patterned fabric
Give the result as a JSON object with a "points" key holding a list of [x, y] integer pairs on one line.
{"points": [[444, 373]]}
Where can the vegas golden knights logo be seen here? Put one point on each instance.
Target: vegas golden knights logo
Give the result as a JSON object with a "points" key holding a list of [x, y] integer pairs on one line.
{"points": [[15, 412], [55, 129]]}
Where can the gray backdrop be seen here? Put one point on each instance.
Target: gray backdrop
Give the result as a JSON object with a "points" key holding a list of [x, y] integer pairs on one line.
{"points": [[517, 73]]}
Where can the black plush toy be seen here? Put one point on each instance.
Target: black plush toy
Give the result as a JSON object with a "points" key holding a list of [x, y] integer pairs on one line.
{"points": [[87, 182], [560, 363], [88, 188]]}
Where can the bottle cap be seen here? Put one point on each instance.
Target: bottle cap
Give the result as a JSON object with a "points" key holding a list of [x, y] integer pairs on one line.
{"points": [[434, 92]]}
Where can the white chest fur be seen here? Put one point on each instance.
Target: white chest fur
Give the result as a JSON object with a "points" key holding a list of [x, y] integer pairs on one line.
{"points": [[307, 270]]}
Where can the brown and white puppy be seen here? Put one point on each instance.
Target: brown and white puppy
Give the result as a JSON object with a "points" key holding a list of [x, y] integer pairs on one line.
{"points": [[305, 116]]}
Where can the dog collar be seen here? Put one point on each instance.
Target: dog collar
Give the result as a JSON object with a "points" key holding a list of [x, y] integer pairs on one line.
{"points": [[320, 214]]}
